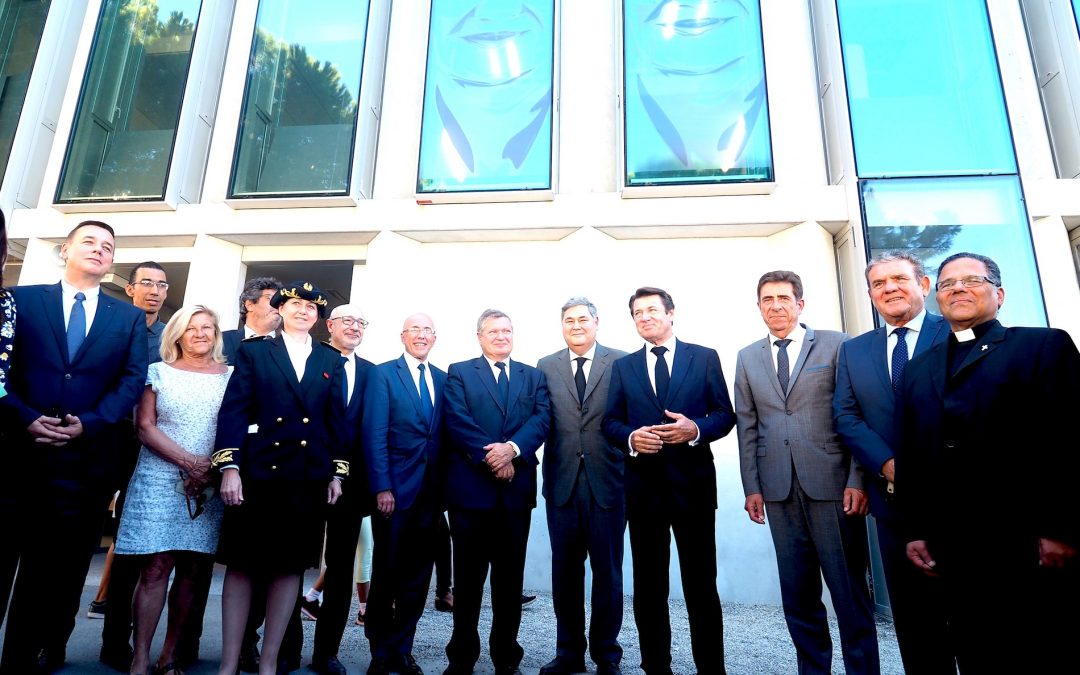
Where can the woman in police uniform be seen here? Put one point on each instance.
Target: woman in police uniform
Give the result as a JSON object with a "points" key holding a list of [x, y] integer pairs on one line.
{"points": [[277, 449]]}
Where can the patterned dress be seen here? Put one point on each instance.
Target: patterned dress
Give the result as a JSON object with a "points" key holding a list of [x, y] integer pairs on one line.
{"points": [[156, 515], [7, 335]]}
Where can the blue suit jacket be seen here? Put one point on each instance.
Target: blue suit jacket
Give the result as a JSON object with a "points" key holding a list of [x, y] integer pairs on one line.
{"points": [[476, 417], [401, 447], [864, 406], [682, 476], [100, 384]]}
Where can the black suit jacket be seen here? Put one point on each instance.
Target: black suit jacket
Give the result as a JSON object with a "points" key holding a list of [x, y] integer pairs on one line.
{"points": [[100, 384], [475, 417], [989, 454], [276, 428], [680, 476]]}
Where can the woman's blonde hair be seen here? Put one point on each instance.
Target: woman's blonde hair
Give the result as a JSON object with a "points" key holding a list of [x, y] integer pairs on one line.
{"points": [[174, 330]]}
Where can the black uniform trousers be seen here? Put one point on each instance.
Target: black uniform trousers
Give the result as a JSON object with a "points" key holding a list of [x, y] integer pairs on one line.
{"points": [[342, 533]]}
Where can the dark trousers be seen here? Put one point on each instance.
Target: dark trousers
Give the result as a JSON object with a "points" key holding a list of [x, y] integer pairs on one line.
{"points": [[444, 579], [650, 545], [63, 529], [342, 533], [918, 606], [117, 627], [401, 570], [814, 539], [578, 529], [483, 539]]}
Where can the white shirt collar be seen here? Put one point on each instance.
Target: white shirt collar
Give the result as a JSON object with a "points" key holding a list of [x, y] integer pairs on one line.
{"points": [[589, 355], [797, 335], [70, 291], [669, 343], [913, 326]]}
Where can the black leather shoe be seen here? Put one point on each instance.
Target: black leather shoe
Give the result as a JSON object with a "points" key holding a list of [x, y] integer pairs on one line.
{"points": [[407, 665], [526, 599], [378, 666], [286, 666], [116, 658], [608, 669], [454, 669], [508, 671], [249, 658], [562, 666], [328, 666], [50, 661]]}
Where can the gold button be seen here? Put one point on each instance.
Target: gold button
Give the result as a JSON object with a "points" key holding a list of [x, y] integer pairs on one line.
{"points": [[279, 420], [273, 467], [306, 420], [303, 444]]}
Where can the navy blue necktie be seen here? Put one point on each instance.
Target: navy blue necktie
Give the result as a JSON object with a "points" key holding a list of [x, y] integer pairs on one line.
{"points": [[345, 383], [76, 329], [425, 396], [663, 376], [503, 383], [783, 366], [899, 357], [579, 379]]}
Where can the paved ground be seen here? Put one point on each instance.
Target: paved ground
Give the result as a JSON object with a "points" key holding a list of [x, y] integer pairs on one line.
{"points": [[755, 638]]}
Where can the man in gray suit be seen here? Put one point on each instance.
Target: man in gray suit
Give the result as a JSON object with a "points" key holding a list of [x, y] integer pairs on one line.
{"points": [[792, 460], [583, 488]]}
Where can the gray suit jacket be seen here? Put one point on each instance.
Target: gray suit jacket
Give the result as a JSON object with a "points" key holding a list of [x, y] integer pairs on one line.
{"points": [[779, 430], [576, 429]]}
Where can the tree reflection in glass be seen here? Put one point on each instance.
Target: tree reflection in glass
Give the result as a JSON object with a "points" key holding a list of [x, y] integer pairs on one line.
{"points": [[695, 100], [488, 96]]}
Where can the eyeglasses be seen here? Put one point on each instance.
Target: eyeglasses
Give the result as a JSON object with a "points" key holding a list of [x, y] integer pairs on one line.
{"points": [[195, 505], [148, 283], [350, 321], [417, 330], [969, 282]]}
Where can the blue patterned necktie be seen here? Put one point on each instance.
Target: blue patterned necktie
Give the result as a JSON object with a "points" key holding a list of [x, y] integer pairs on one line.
{"points": [[503, 383], [76, 329], [663, 376], [783, 366], [899, 357], [425, 396]]}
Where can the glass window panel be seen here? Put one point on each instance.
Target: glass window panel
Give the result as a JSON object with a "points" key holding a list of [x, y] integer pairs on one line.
{"points": [[936, 217], [21, 24], [695, 104], [923, 88], [298, 128], [1076, 14], [488, 96], [124, 130]]}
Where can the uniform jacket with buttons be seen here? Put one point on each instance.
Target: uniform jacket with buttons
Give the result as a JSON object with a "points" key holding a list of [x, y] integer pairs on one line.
{"points": [[279, 428]]}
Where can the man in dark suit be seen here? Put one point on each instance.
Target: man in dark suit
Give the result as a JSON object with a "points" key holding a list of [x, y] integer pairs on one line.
{"points": [[586, 501], [667, 402], [346, 325], [403, 410], [868, 370], [987, 470], [259, 320], [792, 463], [79, 366], [497, 417]]}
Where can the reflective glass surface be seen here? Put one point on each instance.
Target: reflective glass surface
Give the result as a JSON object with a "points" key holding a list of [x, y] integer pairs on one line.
{"points": [[124, 130], [488, 96], [1076, 14], [21, 23], [936, 217], [298, 127], [694, 99], [923, 88]]}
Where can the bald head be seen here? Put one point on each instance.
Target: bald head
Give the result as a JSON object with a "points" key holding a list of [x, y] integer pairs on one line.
{"points": [[346, 325], [418, 336]]}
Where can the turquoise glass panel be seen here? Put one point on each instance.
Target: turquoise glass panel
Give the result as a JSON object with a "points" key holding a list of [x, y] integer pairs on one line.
{"points": [[21, 24]]}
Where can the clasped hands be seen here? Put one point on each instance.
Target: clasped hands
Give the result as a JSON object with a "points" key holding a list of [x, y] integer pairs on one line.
{"points": [[500, 459], [650, 439], [55, 431]]}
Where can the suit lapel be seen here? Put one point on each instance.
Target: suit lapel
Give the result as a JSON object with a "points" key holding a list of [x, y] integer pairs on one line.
{"points": [[769, 367], [640, 367], [933, 326], [102, 317], [52, 304], [487, 378], [879, 354], [596, 371], [983, 347], [680, 366], [280, 355], [517, 381], [405, 377], [438, 381], [564, 368], [316, 368], [808, 345]]}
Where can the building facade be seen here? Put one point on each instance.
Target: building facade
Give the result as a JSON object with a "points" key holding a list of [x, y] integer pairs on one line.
{"points": [[453, 155]]}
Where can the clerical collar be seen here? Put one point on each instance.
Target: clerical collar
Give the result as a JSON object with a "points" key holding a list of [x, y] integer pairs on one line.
{"points": [[966, 335], [975, 332]]}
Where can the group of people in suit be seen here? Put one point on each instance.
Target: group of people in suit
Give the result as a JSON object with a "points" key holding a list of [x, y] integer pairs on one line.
{"points": [[828, 428]]}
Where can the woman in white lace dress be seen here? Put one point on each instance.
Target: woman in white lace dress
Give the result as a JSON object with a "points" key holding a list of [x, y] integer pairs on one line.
{"points": [[172, 516]]}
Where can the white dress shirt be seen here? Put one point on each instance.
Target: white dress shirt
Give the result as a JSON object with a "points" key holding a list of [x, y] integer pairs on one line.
{"points": [[414, 370], [797, 337], [298, 353], [914, 327], [495, 374], [350, 377], [90, 304], [589, 355], [650, 359]]}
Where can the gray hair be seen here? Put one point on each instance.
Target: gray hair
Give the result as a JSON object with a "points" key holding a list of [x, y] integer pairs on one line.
{"points": [[491, 314], [894, 256], [578, 302], [993, 272]]}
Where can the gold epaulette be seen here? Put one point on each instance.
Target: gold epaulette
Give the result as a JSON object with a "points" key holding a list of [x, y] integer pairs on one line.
{"points": [[341, 468], [222, 458]]}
